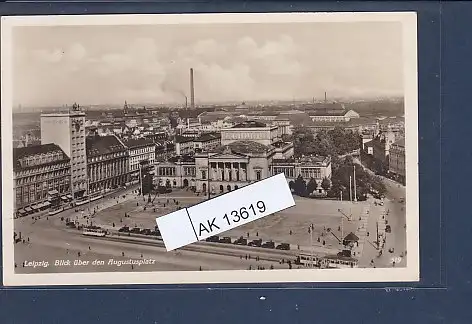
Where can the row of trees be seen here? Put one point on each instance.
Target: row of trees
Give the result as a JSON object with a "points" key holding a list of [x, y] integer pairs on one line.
{"points": [[337, 141], [365, 182], [305, 188]]}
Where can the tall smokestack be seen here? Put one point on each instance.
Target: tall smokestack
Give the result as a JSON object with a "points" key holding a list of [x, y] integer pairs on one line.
{"points": [[326, 99], [192, 90]]}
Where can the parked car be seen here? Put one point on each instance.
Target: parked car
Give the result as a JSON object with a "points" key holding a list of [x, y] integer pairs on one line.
{"points": [[225, 240], [283, 246], [135, 230], [124, 229], [146, 231], [240, 241], [257, 243], [268, 245], [215, 239]]}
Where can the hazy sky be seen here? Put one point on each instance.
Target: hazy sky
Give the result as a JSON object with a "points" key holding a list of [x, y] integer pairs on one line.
{"points": [[150, 64]]}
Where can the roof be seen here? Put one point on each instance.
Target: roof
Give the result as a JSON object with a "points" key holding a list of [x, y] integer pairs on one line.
{"points": [[327, 112], [183, 139], [100, 145], [351, 237], [140, 142], [208, 137], [306, 160], [250, 124], [183, 159], [22, 152], [244, 147]]}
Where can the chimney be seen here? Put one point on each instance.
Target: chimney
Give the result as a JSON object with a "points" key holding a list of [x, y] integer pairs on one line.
{"points": [[192, 90], [326, 99], [186, 102]]}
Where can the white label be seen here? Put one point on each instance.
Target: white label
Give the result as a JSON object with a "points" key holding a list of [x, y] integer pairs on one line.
{"points": [[225, 212]]}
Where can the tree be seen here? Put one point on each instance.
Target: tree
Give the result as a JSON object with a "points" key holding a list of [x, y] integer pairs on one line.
{"points": [[311, 186], [300, 186], [291, 185], [326, 184]]}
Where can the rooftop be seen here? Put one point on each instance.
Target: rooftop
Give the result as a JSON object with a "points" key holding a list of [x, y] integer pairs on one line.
{"points": [[20, 153], [140, 142], [244, 147], [100, 145], [250, 124], [306, 160], [208, 137]]}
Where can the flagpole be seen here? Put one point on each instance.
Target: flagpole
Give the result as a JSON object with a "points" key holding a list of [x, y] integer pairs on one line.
{"points": [[355, 189]]}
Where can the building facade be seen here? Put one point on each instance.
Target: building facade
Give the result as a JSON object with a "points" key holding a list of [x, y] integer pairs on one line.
{"points": [[139, 150], [107, 163], [314, 168], [397, 167], [235, 165], [67, 130], [39, 171], [251, 131]]}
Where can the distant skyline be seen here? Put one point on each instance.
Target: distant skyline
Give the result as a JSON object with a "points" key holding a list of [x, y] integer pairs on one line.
{"points": [[94, 65]]}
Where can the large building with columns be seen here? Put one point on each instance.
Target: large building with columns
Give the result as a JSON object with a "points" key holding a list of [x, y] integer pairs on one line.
{"points": [[235, 165], [107, 163]]}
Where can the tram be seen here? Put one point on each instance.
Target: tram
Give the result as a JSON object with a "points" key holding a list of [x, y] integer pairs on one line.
{"points": [[92, 231]]}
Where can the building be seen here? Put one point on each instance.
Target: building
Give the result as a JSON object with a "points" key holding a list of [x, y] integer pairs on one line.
{"points": [[107, 163], [39, 173], [190, 145], [397, 167], [235, 165], [139, 150], [67, 130], [184, 145], [314, 168], [333, 116], [207, 142], [251, 131]]}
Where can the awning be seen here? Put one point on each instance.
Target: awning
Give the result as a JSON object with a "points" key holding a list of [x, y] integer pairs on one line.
{"points": [[69, 196], [64, 198], [53, 192], [41, 205], [47, 203], [35, 207], [21, 211], [28, 209]]}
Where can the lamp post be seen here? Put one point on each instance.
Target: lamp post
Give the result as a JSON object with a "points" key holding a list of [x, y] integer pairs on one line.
{"points": [[208, 175]]}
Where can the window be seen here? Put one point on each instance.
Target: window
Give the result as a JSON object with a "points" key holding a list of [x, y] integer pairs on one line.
{"points": [[204, 175], [258, 175]]}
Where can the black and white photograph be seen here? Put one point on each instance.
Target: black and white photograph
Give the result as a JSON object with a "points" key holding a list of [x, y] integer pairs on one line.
{"points": [[109, 122]]}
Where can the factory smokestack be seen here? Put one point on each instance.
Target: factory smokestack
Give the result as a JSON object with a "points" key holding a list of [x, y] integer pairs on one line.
{"points": [[192, 90]]}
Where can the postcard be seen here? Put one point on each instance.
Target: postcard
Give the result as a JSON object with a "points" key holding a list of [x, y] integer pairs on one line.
{"points": [[258, 148]]}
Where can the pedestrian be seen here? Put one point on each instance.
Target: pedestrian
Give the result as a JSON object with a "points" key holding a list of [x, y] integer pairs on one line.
{"points": [[200, 268], [257, 233], [89, 248], [78, 254], [290, 232], [141, 255]]}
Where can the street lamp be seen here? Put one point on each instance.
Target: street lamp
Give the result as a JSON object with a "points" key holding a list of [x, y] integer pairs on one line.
{"points": [[208, 175]]}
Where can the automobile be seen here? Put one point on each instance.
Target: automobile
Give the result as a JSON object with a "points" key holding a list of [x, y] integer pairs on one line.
{"points": [[213, 239], [135, 230], [240, 241], [268, 245], [388, 229], [257, 243], [283, 246], [225, 239], [155, 233], [145, 231], [124, 229], [70, 224]]}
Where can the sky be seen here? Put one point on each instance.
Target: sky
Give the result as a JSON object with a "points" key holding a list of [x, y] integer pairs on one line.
{"points": [[54, 66]]}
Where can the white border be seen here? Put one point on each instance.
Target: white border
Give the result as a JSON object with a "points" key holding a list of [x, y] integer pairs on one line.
{"points": [[410, 273]]}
